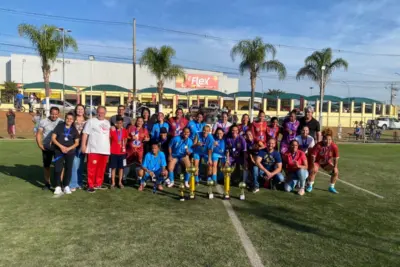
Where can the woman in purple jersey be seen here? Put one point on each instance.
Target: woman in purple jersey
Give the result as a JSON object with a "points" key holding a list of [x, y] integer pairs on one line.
{"points": [[289, 126]]}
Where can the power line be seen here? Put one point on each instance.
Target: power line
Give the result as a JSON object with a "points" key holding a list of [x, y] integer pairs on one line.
{"points": [[109, 22]]}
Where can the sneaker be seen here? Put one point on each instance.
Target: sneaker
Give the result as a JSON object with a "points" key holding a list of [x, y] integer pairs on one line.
{"points": [[309, 188], [141, 187], [46, 187], [90, 190], [58, 191], [256, 190], [160, 188], [73, 189], [170, 184], [67, 190], [187, 184], [301, 192], [333, 190], [102, 187]]}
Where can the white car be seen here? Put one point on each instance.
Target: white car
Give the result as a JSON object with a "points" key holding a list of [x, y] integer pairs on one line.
{"points": [[59, 104], [388, 123]]}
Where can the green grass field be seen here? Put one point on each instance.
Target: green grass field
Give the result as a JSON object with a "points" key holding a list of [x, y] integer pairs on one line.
{"points": [[131, 228]]}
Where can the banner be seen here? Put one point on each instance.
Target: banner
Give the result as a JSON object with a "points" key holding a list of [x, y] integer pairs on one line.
{"points": [[197, 81]]}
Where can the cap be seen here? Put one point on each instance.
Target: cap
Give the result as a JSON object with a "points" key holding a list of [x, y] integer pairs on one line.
{"points": [[163, 130]]}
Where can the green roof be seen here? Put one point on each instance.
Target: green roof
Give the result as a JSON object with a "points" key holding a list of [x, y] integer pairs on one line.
{"points": [[291, 96], [326, 98], [245, 94], [359, 100], [168, 91], [107, 88], [205, 92], [53, 86]]}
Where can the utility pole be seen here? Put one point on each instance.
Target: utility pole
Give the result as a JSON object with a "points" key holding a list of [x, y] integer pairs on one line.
{"points": [[393, 93], [134, 71]]}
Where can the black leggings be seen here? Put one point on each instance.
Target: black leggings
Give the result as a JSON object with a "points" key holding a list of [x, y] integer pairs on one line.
{"points": [[63, 161]]}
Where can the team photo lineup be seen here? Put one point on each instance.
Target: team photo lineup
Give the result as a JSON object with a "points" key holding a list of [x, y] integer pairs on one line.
{"points": [[158, 149]]}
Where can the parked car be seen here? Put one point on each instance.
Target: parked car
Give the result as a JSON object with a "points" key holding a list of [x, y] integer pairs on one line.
{"points": [[385, 122], [56, 103]]}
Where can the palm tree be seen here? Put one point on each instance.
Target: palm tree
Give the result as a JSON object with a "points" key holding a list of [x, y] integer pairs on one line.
{"points": [[319, 68], [48, 42], [254, 59], [275, 92], [158, 61]]}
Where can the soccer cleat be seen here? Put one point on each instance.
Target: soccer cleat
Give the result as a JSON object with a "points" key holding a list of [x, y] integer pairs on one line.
{"points": [[67, 190], [256, 190], [309, 188], [141, 187], [187, 184], [171, 184], [333, 190], [301, 191], [58, 191]]}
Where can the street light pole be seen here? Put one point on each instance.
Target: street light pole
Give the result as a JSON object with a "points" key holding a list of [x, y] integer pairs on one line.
{"points": [[22, 78], [322, 94], [91, 59]]}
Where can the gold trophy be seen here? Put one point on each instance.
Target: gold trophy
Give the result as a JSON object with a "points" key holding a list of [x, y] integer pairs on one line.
{"points": [[210, 184], [182, 187], [227, 170], [242, 186], [192, 181]]}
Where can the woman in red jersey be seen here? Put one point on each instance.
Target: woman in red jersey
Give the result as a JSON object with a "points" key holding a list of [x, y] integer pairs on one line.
{"points": [[137, 134], [259, 128], [325, 155], [177, 123], [245, 125], [273, 129]]}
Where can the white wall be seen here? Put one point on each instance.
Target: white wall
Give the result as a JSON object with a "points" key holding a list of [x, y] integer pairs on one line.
{"points": [[3, 69], [77, 73]]}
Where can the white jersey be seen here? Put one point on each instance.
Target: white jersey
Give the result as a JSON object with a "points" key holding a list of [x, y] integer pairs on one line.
{"points": [[98, 132], [305, 144]]}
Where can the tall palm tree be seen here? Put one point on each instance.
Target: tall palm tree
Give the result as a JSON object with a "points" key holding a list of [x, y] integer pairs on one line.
{"points": [[159, 63], [313, 69], [254, 59], [275, 92], [48, 42]]}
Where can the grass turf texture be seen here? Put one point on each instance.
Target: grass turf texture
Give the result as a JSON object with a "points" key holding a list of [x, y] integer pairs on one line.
{"points": [[130, 228]]}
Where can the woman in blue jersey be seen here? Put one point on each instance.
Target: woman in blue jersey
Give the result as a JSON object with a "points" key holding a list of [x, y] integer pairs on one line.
{"points": [[180, 147], [219, 152], [196, 126], [202, 148], [155, 131]]}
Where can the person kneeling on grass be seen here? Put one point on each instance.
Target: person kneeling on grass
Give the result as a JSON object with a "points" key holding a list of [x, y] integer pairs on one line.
{"points": [[65, 137], [325, 155], [202, 149], [180, 149], [269, 162], [154, 167], [118, 139], [296, 167]]}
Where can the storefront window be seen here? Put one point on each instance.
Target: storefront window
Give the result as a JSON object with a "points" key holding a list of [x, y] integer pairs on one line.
{"points": [[112, 101]]}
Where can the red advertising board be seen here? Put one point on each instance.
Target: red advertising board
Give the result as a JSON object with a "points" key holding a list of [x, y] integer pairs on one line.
{"points": [[198, 81]]}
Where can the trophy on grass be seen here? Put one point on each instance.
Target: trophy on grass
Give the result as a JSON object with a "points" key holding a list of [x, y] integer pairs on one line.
{"points": [[242, 186], [182, 187], [210, 184], [192, 181], [227, 170]]}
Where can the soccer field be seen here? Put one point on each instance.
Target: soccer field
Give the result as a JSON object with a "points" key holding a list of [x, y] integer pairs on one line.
{"points": [[131, 228]]}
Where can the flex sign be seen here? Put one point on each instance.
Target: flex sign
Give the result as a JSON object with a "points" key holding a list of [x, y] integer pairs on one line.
{"points": [[198, 81]]}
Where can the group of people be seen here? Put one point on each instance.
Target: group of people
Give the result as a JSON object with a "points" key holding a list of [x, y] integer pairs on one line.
{"points": [[157, 147]]}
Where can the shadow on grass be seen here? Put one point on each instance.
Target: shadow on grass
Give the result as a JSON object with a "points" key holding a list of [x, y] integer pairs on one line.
{"points": [[32, 174], [292, 220]]}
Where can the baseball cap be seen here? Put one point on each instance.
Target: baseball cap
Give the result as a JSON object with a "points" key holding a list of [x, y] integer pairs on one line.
{"points": [[163, 130]]}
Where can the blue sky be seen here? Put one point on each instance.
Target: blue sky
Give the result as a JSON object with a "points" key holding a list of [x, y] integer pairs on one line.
{"points": [[368, 26]]}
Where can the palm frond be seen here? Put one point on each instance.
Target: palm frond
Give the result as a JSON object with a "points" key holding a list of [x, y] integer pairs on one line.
{"points": [[308, 71], [275, 65]]}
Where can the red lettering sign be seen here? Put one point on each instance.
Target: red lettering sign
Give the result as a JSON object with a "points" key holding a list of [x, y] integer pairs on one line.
{"points": [[198, 81]]}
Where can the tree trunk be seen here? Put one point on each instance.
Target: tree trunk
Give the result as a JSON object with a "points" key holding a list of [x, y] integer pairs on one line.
{"points": [[253, 80], [46, 78], [160, 89]]}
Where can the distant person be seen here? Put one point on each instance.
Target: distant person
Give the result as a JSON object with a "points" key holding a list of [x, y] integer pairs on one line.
{"points": [[43, 140], [65, 138], [79, 159], [306, 141], [36, 120], [11, 123], [96, 144], [118, 139], [177, 123], [19, 98], [121, 112], [312, 124], [290, 127], [224, 124]]}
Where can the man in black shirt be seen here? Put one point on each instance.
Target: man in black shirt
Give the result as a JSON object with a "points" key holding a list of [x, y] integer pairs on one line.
{"points": [[311, 123]]}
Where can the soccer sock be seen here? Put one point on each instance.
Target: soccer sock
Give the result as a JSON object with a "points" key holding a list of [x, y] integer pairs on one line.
{"points": [[311, 183], [214, 177], [171, 176], [187, 176], [333, 185], [197, 178]]}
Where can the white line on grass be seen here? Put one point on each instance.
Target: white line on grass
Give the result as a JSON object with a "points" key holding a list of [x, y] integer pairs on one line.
{"points": [[251, 252], [354, 186]]}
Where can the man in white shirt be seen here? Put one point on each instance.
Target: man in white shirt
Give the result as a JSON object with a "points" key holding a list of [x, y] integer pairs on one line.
{"points": [[305, 140], [96, 143]]}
